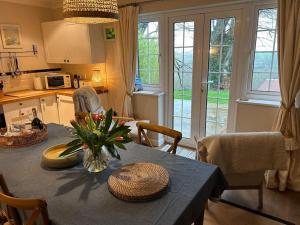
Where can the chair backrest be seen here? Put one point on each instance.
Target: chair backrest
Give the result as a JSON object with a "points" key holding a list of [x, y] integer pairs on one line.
{"points": [[176, 135], [86, 99], [38, 207]]}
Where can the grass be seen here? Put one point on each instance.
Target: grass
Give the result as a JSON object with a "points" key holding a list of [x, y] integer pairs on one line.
{"points": [[213, 96]]}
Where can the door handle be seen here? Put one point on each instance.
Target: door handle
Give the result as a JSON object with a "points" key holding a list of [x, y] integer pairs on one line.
{"points": [[207, 82], [204, 85]]}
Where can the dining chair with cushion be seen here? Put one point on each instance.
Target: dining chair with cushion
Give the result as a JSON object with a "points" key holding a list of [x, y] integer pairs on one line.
{"points": [[87, 101], [21, 211], [244, 157], [144, 139]]}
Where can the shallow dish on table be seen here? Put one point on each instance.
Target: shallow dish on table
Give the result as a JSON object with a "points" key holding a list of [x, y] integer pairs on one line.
{"points": [[51, 158]]}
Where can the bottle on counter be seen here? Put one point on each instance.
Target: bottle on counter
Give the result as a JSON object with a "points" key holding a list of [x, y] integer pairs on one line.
{"points": [[36, 123], [76, 81]]}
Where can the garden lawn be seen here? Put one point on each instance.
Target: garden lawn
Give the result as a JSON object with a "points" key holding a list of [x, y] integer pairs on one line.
{"points": [[213, 96]]}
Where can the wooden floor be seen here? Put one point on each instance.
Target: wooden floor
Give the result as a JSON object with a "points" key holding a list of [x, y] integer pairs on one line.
{"points": [[283, 205]]}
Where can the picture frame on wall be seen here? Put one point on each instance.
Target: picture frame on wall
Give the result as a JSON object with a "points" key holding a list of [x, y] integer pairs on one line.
{"points": [[109, 33], [11, 36]]}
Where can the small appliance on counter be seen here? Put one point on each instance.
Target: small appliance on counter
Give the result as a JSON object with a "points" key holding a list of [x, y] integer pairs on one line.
{"points": [[58, 81], [38, 83], [76, 81], [83, 83]]}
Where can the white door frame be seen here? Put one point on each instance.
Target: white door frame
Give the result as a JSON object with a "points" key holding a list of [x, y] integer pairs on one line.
{"points": [[197, 57], [200, 70], [234, 85]]}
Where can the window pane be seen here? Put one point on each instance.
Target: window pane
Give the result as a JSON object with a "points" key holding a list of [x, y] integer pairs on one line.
{"points": [[265, 40], [183, 67], [148, 58], [267, 19], [265, 62], [219, 77], [261, 81], [189, 34]]}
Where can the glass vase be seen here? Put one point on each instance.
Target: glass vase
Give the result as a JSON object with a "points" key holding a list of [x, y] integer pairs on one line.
{"points": [[95, 163]]}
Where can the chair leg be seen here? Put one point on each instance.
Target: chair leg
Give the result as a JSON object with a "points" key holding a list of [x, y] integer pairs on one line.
{"points": [[260, 196], [206, 205]]}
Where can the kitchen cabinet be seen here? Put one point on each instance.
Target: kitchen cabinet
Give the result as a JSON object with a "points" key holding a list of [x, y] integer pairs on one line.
{"points": [[49, 109], [73, 43], [65, 109], [21, 112]]}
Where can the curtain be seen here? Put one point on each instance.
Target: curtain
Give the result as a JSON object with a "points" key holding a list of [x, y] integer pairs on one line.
{"points": [[288, 118], [128, 31]]}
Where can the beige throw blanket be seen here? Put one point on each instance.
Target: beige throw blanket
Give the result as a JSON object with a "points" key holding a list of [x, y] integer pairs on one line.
{"points": [[86, 100], [245, 152]]}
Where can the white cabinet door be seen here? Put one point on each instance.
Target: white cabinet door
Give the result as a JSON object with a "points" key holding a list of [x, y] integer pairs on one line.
{"points": [[49, 109], [55, 42], [79, 48], [73, 43], [65, 109]]}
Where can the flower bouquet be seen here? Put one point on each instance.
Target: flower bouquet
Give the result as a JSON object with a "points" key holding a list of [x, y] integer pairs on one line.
{"points": [[97, 138]]}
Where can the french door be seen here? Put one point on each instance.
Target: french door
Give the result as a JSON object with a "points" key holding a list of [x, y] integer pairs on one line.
{"points": [[202, 63]]}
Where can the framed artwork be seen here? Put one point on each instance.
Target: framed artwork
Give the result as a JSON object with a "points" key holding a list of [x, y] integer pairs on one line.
{"points": [[109, 33], [11, 36]]}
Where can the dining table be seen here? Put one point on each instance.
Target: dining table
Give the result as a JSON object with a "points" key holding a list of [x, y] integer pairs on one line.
{"points": [[77, 197]]}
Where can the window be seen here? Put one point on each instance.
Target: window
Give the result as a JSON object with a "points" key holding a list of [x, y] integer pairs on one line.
{"points": [[265, 59], [148, 53]]}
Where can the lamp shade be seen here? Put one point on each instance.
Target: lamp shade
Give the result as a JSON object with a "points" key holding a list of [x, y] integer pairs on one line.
{"points": [[90, 11]]}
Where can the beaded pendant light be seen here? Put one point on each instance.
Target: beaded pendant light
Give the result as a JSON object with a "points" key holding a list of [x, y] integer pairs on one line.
{"points": [[90, 11]]}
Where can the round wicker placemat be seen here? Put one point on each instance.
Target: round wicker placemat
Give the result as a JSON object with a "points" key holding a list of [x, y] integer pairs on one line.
{"points": [[139, 182]]}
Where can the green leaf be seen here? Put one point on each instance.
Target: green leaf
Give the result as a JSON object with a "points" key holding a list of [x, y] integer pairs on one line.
{"points": [[74, 142], [115, 125], [120, 145], [108, 119], [70, 150], [113, 152]]}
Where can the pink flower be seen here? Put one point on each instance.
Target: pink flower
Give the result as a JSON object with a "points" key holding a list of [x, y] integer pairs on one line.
{"points": [[85, 147], [119, 138], [98, 117]]}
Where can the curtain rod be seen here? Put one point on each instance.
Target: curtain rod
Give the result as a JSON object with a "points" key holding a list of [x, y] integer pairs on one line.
{"points": [[138, 3]]}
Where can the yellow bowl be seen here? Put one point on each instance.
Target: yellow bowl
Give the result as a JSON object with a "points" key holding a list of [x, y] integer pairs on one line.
{"points": [[51, 157]]}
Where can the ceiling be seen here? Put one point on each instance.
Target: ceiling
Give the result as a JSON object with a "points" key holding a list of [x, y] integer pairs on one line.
{"points": [[58, 3]]}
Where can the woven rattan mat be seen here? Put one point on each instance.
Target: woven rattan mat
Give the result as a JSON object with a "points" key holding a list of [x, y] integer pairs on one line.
{"points": [[139, 182]]}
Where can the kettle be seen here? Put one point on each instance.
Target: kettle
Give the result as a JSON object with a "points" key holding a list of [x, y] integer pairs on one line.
{"points": [[38, 83]]}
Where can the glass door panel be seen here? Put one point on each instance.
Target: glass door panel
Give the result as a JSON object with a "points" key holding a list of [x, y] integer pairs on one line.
{"points": [[219, 74], [183, 56]]}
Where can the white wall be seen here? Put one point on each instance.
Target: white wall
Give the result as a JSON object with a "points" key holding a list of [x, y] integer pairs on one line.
{"points": [[30, 19], [255, 117]]}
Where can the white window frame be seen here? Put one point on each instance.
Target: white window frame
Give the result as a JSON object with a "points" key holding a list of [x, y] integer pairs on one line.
{"points": [[154, 18], [251, 94]]}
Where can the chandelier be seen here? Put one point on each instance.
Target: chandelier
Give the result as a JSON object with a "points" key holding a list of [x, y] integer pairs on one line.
{"points": [[90, 11]]}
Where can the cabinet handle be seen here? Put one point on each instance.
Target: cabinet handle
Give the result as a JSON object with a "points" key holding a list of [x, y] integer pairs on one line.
{"points": [[68, 60], [65, 60], [20, 103]]}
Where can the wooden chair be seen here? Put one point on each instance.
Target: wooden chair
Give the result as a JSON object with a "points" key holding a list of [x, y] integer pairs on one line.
{"points": [[37, 206], [176, 135]]}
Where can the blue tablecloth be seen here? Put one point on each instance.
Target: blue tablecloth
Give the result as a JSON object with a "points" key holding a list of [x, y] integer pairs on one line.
{"points": [[76, 197]]}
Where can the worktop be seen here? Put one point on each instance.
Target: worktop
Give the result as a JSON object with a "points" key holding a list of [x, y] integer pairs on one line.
{"points": [[29, 94]]}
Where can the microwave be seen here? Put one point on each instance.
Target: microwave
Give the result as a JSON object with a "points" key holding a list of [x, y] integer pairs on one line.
{"points": [[58, 81]]}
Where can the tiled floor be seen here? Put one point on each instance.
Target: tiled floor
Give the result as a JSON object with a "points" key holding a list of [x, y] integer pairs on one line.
{"points": [[283, 205]]}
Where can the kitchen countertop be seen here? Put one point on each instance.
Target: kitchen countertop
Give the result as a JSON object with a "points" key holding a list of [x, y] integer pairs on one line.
{"points": [[29, 94]]}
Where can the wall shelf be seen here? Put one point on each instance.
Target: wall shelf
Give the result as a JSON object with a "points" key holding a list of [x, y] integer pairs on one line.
{"points": [[16, 53]]}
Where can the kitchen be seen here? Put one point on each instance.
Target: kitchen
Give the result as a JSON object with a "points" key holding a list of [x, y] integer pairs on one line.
{"points": [[43, 71]]}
